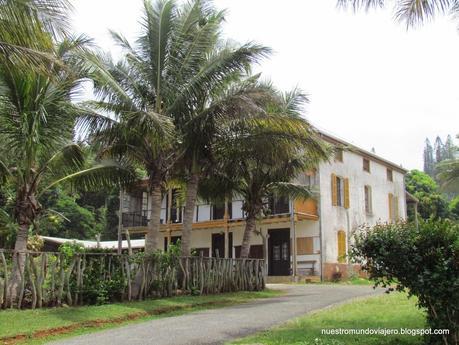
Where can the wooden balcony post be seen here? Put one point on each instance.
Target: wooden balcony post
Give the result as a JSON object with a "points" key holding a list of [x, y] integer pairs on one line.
{"points": [[169, 217], [293, 237], [120, 223], [226, 218]]}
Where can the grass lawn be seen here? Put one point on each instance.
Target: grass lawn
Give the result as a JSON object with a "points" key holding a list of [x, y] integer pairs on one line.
{"points": [[34, 326], [387, 311]]}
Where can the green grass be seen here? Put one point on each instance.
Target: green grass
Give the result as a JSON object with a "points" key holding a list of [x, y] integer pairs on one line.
{"points": [[388, 311], [28, 322]]}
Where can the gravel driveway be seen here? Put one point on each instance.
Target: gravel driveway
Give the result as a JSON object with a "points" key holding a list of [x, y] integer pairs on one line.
{"points": [[217, 326]]}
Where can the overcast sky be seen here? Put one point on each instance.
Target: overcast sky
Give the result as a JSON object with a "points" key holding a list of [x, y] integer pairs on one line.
{"points": [[370, 81]]}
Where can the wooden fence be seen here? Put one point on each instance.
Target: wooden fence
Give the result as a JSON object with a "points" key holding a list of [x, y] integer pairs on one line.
{"points": [[53, 279]]}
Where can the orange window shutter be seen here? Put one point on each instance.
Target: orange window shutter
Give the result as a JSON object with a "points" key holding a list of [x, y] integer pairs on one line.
{"points": [[304, 245], [391, 207], [346, 193], [333, 190], [341, 246]]}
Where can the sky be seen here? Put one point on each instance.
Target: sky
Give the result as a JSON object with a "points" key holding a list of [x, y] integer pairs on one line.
{"points": [[370, 81]]}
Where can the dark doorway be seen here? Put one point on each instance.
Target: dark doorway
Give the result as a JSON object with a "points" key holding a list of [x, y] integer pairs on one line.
{"points": [[218, 245], [279, 252]]}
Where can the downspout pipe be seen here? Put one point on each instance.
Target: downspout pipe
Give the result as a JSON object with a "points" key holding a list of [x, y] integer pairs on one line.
{"points": [[293, 228]]}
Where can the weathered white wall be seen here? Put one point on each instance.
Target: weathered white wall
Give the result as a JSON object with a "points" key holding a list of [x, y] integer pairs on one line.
{"points": [[335, 218]]}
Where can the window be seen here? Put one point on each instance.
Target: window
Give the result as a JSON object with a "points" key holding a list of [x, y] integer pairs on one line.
{"points": [[393, 208], [340, 191], [368, 201], [390, 175], [341, 246], [366, 165], [338, 155]]}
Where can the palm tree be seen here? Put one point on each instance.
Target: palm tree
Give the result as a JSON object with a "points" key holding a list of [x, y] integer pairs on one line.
{"points": [[22, 24], [260, 158], [412, 12], [162, 94], [37, 118]]}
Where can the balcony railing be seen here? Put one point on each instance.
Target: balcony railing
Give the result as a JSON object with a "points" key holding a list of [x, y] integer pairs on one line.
{"points": [[141, 218]]}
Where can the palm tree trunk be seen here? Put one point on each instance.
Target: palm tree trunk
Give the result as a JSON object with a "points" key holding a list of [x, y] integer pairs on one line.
{"points": [[19, 256], [152, 239], [190, 203], [250, 225]]}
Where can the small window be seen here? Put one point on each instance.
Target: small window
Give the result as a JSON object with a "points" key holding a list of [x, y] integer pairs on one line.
{"points": [[338, 155], [368, 201], [366, 165], [339, 191], [390, 175]]}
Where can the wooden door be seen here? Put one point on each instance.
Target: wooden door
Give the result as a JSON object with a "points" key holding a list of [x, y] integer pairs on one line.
{"points": [[279, 252]]}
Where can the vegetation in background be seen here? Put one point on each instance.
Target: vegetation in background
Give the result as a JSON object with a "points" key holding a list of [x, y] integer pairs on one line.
{"points": [[432, 203], [437, 154], [393, 311], [421, 260]]}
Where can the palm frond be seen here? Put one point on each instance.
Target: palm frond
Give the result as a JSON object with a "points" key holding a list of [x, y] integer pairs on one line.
{"points": [[292, 190], [103, 174]]}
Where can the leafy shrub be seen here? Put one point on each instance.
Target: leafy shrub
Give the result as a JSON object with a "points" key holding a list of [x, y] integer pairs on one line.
{"points": [[422, 260]]}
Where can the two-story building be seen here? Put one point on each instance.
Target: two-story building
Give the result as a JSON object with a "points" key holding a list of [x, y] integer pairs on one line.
{"points": [[298, 238]]}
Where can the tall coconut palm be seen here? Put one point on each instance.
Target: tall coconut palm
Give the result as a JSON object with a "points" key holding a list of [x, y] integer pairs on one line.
{"points": [[263, 157], [22, 24], [37, 118], [164, 83]]}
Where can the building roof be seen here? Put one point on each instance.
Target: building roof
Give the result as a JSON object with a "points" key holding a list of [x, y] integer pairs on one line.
{"points": [[135, 244], [336, 140]]}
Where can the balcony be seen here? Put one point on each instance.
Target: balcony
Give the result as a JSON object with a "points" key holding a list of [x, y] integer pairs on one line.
{"points": [[212, 216]]}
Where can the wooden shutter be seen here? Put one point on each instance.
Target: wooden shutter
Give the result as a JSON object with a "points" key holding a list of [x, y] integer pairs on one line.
{"points": [[333, 190], [341, 246], [391, 207], [396, 213], [304, 245], [346, 193]]}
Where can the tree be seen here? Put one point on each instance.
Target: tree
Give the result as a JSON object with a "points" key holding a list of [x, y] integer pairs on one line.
{"points": [[37, 118], [438, 150], [260, 158], [161, 94], [412, 12], [428, 158], [449, 149], [454, 207], [431, 203], [421, 259], [65, 217]]}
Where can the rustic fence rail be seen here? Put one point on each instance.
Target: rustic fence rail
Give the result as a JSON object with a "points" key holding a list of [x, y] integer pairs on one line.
{"points": [[54, 279]]}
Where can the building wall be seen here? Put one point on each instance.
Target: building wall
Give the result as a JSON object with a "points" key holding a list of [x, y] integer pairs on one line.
{"points": [[202, 238], [336, 218]]}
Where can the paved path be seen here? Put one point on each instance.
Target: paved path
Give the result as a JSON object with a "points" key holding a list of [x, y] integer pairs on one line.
{"points": [[217, 326]]}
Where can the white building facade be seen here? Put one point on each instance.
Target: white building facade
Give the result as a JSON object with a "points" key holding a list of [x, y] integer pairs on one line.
{"points": [[300, 238]]}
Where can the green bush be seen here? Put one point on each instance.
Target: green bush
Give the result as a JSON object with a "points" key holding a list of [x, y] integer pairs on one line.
{"points": [[422, 260]]}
